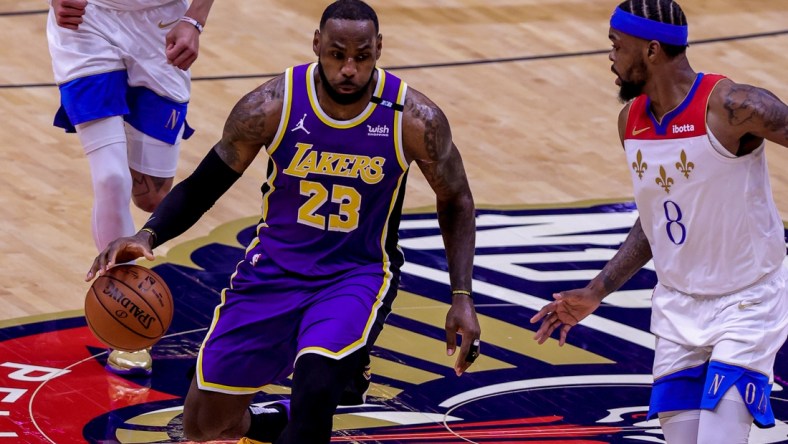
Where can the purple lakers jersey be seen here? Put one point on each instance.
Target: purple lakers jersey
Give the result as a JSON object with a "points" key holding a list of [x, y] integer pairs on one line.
{"points": [[334, 191]]}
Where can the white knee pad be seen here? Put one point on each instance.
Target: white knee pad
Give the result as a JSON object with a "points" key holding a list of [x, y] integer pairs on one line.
{"points": [[151, 156], [680, 426]]}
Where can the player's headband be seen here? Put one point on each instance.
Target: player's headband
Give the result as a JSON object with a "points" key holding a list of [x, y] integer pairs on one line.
{"points": [[648, 29]]}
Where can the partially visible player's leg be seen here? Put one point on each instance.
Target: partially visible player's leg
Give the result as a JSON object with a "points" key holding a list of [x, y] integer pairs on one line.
{"points": [[338, 328], [153, 164], [105, 146], [680, 426], [730, 422], [209, 415], [679, 374], [251, 344], [158, 98], [318, 383]]}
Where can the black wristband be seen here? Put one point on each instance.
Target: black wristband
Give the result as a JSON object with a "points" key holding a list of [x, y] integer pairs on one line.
{"points": [[190, 199]]}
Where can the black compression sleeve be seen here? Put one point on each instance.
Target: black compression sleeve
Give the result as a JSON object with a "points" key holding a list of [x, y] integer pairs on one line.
{"points": [[190, 199]]}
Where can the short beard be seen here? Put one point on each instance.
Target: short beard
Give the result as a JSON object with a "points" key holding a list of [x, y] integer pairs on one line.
{"points": [[340, 98], [629, 90]]}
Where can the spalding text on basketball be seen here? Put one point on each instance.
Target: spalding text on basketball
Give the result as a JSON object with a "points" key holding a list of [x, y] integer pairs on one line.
{"points": [[144, 318]]}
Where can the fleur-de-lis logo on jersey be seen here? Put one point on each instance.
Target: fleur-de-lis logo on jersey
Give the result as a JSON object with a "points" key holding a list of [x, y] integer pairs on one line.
{"points": [[685, 167], [663, 180], [640, 167]]}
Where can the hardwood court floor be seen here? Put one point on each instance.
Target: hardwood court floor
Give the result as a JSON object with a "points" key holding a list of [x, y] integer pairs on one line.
{"points": [[526, 86]]}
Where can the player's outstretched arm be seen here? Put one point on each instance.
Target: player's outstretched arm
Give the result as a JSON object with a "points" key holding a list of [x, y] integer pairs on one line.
{"points": [[427, 139], [738, 112], [251, 125], [572, 306]]}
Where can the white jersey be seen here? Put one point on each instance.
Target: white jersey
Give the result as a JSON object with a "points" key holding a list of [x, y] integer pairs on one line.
{"points": [[132, 5], [709, 217]]}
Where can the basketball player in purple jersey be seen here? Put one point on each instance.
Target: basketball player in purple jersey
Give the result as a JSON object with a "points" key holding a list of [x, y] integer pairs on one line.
{"points": [[695, 144], [317, 282]]}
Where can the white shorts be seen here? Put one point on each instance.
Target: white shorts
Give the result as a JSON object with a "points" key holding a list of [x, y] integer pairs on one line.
{"points": [[707, 345], [112, 40], [115, 64], [745, 329]]}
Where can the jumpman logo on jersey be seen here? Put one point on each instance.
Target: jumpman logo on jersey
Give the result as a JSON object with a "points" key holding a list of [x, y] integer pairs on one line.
{"points": [[301, 126]]}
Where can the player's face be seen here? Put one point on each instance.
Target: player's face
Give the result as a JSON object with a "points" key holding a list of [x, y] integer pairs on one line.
{"points": [[628, 65], [347, 52]]}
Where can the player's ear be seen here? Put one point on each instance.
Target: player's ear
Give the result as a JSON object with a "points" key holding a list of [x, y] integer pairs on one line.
{"points": [[316, 43], [379, 46], [653, 49]]}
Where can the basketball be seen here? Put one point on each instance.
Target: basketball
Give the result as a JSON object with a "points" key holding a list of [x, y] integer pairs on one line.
{"points": [[129, 307]]}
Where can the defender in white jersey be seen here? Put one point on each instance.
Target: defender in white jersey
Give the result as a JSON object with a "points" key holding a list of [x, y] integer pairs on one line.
{"points": [[122, 70], [695, 148]]}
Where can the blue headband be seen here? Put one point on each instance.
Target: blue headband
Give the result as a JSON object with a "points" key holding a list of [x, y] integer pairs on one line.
{"points": [[644, 28]]}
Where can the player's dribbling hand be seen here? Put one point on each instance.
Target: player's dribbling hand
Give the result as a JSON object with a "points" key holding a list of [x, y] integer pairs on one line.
{"points": [[461, 319], [121, 250], [183, 45], [569, 308], [68, 13]]}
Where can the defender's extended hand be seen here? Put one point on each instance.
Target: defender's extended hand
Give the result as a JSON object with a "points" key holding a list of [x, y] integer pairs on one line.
{"points": [[569, 308], [122, 250], [461, 319]]}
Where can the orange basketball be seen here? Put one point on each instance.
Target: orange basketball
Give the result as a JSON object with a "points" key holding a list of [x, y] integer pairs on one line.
{"points": [[129, 307]]}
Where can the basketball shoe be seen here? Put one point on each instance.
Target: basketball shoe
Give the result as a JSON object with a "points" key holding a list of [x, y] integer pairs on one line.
{"points": [[138, 363]]}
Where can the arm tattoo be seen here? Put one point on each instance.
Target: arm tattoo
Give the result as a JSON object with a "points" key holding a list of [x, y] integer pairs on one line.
{"points": [[746, 104], [245, 130], [634, 253], [435, 126]]}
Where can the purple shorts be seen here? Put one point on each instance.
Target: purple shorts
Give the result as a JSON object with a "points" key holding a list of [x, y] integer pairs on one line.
{"points": [[267, 318]]}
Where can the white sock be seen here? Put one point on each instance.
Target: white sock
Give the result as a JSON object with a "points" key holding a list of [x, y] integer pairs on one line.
{"points": [[680, 426], [104, 141]]}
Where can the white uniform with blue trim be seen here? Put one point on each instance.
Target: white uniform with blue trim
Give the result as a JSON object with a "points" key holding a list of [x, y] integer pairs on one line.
{"points": [[114, 64], [720, 308]]}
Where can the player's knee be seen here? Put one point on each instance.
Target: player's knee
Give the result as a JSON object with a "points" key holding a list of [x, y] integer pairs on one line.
{"points": [[148, 202], [147, 198], [198, 431], [112, 184]]}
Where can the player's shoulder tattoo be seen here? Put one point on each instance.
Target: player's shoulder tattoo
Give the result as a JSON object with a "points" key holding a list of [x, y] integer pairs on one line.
{"points": [[426, 114], [746, 104], [252, 122]]}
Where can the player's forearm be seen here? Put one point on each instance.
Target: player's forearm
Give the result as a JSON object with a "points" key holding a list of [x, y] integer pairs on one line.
{"points": [[633, 254], [199, 10], [190, 199], [457, 219]]}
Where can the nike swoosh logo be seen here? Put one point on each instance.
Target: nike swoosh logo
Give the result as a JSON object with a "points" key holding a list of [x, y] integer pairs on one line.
{"points": [[745, 304], [168, 24], [635, 132]]}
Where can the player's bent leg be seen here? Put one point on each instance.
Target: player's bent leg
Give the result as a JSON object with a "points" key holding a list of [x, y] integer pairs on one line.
{"points": [[104, 143], [680, 426], [318, 383], [148, 191], [730, 422], [212, 415], [153, 164]]}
